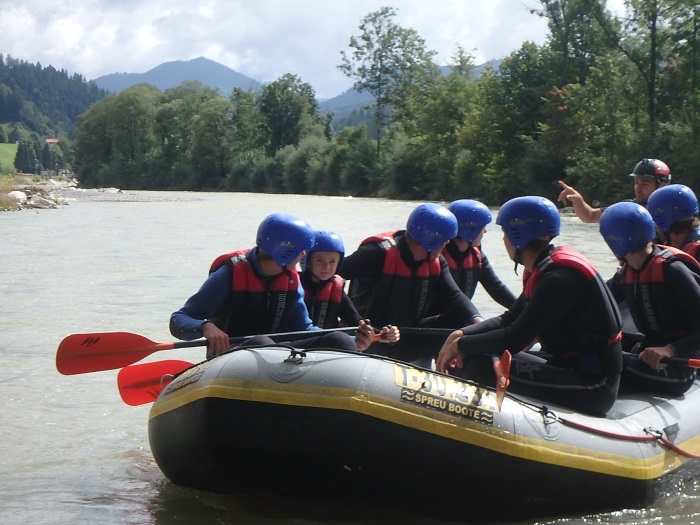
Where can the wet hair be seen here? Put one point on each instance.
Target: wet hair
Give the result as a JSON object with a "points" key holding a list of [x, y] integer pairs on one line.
{"points": [[685, 225]]}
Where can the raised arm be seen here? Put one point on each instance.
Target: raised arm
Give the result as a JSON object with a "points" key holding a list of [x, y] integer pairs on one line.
{"points": [[583, 210]]}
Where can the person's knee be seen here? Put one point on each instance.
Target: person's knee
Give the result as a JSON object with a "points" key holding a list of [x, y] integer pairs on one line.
{"points": [[338, 340], [258, 340]]}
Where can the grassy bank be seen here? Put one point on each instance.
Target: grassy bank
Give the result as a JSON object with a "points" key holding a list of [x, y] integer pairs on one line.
{"points": [[7, 158], [6, 184]]}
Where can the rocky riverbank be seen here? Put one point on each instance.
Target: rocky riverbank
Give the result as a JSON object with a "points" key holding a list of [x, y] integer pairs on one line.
{"points": [[51, 193], [26, 193]]}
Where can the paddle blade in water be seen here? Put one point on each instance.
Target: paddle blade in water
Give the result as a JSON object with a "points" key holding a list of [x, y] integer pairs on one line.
{"points": [[141, 384]]}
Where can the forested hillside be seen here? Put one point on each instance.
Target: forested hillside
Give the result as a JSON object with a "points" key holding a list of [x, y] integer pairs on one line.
{"points": [[601, 94], [39, 103]]}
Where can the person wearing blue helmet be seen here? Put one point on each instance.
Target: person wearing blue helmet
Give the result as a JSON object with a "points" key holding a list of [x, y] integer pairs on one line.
{"points": [[256, 291], [661, 286], [675, 211], [649, 175], [565, 305], [398, 278], [324, 290], [468, 263]]}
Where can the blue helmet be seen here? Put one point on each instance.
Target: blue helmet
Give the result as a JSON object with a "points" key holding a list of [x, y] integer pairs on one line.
{"points": [[672, 204], [526, 218], [325, 241], [431, 225], [626, 226], [472, 217], [284, 237]]}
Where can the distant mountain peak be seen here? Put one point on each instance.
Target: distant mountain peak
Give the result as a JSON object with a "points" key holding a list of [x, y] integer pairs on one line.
{"points": [[171, 74]]}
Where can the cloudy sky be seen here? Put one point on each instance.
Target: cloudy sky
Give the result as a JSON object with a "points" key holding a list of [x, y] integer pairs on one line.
{"points": [[263, 39]]}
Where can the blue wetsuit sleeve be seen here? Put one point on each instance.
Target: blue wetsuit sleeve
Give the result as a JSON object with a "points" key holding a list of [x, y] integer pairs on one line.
{"points": [[186, 323], [299, 319]]}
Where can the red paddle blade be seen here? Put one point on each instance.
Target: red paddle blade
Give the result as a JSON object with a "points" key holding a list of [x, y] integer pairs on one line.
{"points": [[141, 384], [83, 353], [502, 369]]}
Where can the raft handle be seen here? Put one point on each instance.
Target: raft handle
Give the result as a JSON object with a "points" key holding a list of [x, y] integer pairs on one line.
{"points": [[296, 356]]}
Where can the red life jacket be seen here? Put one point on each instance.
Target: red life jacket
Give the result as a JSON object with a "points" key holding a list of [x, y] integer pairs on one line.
{"points": [[402, 295], [324, 305], [657, 312], [693, 248], [254, 305], [561, 255], [467, 271]]}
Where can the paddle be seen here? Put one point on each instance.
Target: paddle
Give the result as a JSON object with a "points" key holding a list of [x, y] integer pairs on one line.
{"points": [[502, 368], [691, 362], [83, 353], [140, 384], [410, 330]]}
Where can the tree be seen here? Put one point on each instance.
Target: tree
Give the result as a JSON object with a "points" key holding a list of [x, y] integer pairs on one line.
{"points": [[249, 131], [211, 144], [289, 109], [580, 31], [601, 129], [173, 129], [131, 128], [94, 143], [509, 109], [644, 40], [25, 159], [387, 61], [435, 113]]}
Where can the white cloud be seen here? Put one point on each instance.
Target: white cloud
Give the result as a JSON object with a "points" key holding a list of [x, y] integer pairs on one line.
{"points": [[263, 39]]}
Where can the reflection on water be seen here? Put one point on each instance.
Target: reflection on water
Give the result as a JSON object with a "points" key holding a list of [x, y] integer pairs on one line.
{"points": [[72, 451]]}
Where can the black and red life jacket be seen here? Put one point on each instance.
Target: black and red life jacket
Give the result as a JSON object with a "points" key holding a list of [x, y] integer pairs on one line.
{"points": [[693, 248], [657, 312], [255, 305], [596, 331], [323, 302], [465, 268], [403, 294]]}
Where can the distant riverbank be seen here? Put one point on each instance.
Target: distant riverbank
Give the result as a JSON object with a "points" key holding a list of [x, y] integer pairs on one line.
{"points": [[32, 192]]}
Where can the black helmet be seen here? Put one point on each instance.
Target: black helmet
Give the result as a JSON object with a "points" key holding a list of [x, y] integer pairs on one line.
{"points": [[652, 169]]}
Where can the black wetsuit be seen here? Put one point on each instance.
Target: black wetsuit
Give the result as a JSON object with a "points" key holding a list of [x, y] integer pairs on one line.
{"points": [[664, 304], [369, 285], [577, 322]]}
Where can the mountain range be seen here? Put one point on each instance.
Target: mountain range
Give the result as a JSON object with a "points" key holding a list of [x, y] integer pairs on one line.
{"points": [[215, 75], [171, 74]]}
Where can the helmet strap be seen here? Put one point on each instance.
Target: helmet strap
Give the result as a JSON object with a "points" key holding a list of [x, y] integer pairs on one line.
{"points": [[517, 259]]}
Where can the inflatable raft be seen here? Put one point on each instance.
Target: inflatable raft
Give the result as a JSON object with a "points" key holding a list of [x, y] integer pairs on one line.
{"points": [[330, 424]]}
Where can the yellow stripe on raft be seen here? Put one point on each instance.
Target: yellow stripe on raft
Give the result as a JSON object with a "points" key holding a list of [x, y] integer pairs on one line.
{"points": [[430, 421]]}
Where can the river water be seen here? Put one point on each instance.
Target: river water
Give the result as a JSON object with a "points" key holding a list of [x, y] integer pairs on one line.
{"points": [[72, 451]]}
